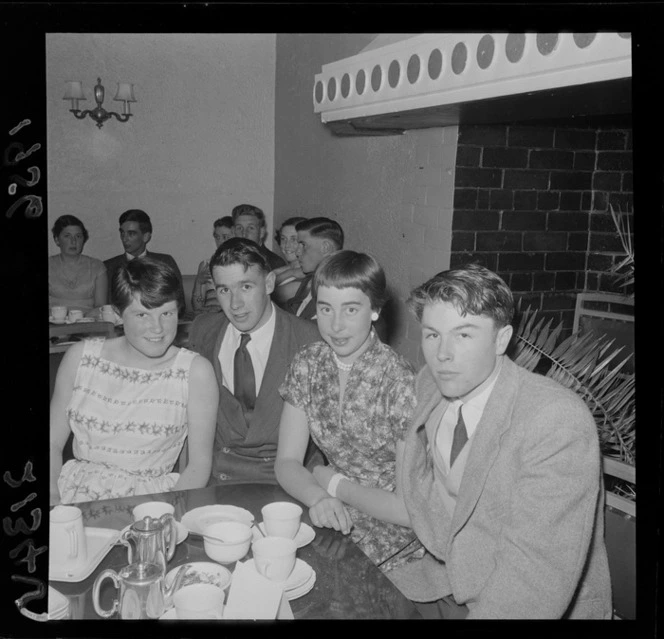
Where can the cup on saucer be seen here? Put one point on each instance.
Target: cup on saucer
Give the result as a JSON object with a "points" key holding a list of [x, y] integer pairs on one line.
{"points": [[67, 541], [75, 315], [107, 313], [199, 601], [281, 519], [274, 557], [59, 312]]}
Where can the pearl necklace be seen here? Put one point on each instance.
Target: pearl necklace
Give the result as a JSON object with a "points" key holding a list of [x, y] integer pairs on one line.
{"points": [[340, 365]]}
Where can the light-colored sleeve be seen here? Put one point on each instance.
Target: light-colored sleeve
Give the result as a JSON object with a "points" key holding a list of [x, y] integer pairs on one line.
{"points": [[549, 520]]}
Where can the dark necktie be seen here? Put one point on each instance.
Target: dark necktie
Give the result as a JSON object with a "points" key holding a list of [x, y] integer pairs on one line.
{"points": [[244, 380], [460, 438]]}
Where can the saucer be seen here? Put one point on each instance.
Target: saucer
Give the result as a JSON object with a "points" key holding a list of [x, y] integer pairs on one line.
{"points": [[305, 535], [52, 320], [301, 575], [197, 519], [172, 615], [202, 572], [302, 590], [99, 541], [58, 604]]}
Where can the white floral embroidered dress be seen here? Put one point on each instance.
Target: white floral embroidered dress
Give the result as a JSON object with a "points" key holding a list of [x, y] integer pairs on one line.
{"points": [[129, 427]]}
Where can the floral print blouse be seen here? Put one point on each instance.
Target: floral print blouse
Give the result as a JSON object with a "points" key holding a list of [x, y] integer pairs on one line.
{"points": [[359, 438]]}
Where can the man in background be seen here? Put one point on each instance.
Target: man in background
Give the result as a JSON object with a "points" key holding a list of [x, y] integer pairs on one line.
{"points": [[135, 233], [249, 221], [316, 237]]}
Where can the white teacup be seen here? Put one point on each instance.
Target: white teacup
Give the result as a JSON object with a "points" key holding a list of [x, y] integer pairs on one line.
{"points": [[199, 601], [107, 313], [281, 519], [154, 509], [67, 542], [274, 557], [75, 315], [59, 312]]}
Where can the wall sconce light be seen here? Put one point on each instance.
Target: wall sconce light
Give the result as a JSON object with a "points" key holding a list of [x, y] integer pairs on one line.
{"points": [[124, 94]]}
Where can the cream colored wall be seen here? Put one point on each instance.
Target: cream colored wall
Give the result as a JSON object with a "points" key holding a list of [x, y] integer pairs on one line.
{"points": [[392, 195], [200, 142]]}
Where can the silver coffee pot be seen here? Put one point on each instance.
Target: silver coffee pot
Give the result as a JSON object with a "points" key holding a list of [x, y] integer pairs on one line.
{"points": [[143, 593], [151, 540]]}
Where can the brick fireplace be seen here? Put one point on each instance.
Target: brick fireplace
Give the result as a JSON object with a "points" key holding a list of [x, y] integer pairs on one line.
{"points": [[532, 203]]}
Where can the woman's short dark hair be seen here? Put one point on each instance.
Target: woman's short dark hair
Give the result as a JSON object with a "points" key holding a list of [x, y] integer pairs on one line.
{"points": [[348, 269], [472, 289], [152, 282], [68, 220], [291, 221], [226, 221], [239, 250]]}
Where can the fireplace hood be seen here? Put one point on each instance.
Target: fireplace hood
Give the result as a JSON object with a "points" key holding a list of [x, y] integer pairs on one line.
{"points": [[434, 80]]}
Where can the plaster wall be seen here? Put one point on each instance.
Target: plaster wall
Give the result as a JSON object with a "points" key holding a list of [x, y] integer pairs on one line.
{"points": [[392, 195], [201, 139]]}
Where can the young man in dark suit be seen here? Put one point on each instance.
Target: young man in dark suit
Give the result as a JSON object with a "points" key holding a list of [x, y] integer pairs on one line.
{"points": [[250, 345], [135, 233]]}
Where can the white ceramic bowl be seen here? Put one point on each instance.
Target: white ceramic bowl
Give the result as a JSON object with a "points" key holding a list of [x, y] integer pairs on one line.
{"points": [[236, 541]]}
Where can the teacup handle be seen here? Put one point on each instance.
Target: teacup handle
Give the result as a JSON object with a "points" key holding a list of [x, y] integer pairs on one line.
{"points": [[111, 574], [169, 521]]}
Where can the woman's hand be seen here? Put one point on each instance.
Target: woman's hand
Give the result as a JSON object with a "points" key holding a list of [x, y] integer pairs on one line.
{"points": [[323, 474], [329, 512]]}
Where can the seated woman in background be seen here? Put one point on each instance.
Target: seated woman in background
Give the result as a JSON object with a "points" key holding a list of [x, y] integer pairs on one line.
{"points": [[131, 401], [74, 280], [355, 396], [203, 297], [288, 277]]}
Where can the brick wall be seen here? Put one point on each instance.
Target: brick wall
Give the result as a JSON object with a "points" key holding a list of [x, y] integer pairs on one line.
{"points": [[532, 203]]}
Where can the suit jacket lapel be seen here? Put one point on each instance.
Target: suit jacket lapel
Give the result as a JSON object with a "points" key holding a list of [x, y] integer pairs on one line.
{"points": [[277, 358], [226, 396], [495, 421]]}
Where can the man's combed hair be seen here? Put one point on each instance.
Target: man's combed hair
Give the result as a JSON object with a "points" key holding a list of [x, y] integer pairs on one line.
{"points": [[323, 227], [239, 250], [249, 209], [137, 215], [471, 289], [348, 269], [154, 283], [226, 221]]}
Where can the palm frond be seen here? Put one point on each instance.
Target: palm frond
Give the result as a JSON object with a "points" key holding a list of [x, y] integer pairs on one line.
{"points": [[590, 366]]}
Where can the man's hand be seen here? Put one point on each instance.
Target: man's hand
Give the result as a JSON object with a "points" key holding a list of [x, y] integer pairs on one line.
{"points": [[329, 512], [323, 474]]}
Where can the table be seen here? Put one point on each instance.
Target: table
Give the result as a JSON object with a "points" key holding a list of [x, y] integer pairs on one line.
{"points": [[348, 585]]}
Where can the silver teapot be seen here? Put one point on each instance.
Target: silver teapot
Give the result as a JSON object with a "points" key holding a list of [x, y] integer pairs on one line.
{"points": [[151, 540], [143, 593]]}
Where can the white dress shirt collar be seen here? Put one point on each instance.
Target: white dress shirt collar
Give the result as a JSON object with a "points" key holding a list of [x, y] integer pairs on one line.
{"points": [[130, 257], [258, 348]]}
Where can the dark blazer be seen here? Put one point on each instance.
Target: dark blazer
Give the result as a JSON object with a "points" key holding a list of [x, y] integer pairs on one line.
{"points": [[527, 536], [309, 311], [112, 264], [245, 446], [272, 258]]}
